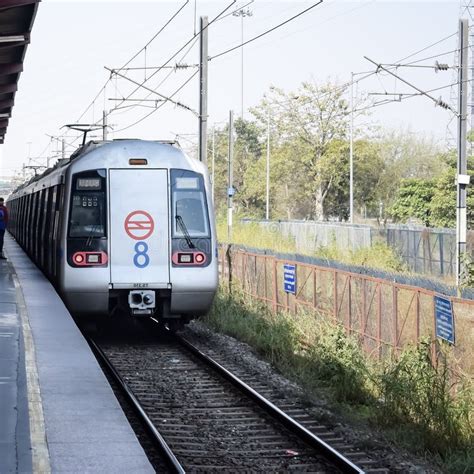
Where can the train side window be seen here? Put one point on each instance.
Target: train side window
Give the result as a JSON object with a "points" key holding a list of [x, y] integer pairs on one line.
{"points": [[189, 205]]}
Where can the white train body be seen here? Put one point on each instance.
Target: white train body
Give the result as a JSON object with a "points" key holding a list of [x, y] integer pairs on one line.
{"points": [[123, 224]]}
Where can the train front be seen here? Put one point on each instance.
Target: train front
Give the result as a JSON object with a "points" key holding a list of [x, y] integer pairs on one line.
{"points": [[140, 234]]}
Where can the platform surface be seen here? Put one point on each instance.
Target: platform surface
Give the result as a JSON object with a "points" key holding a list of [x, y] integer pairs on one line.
{"points": [[78, 420]]}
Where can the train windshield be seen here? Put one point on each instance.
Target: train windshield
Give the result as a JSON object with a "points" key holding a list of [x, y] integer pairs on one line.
{"points": [[88, 217], [189, 205]]}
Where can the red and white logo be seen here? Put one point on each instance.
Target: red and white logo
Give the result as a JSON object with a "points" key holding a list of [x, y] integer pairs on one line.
{"points": [[139, 225]]}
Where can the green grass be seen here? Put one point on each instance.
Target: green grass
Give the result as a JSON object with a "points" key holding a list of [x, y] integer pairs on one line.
{"points": [[253, 235], [426, 408]]}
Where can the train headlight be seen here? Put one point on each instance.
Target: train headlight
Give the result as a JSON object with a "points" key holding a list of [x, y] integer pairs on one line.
{"points": [[189, 258], [89, 259], [199, 258]]}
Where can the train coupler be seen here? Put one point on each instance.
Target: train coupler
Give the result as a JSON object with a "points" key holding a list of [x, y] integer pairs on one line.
{"points": [[142, 302]]}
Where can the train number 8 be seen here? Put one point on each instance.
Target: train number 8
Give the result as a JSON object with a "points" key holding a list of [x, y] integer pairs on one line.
{"points": [[141, 258]]}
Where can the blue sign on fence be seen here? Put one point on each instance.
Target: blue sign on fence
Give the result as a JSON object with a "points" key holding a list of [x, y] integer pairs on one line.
{"points": [[289, 278], [444, 319]]}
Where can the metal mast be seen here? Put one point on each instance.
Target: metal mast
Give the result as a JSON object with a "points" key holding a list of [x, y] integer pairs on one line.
{"points": [[203, 65], [462, 180]]}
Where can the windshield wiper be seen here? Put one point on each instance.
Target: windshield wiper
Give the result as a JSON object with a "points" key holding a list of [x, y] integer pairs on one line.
{"points": [[91, 234], [185, 232]]}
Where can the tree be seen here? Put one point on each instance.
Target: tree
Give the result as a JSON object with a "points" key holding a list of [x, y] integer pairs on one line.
{"points": [[404, 156], [413, 200], [443, 204], [310, 119]]}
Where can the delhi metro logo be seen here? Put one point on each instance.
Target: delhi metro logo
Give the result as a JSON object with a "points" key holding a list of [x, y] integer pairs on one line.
{"points": [[139, 225]]}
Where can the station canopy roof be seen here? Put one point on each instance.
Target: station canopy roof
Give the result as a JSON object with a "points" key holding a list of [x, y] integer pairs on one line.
{"points": [[16, 22]]}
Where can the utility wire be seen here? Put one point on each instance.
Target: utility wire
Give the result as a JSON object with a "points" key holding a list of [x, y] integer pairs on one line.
{"points": [[410, 96], [159, 107], [169, 99], [427, 47], [236, 10], [163, 80], [266, 32], [436, 101], [176, 53], [156, 35], [132, 58]]}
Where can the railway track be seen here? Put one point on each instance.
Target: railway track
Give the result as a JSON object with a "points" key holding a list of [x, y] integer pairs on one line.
{"points": [[203, 418]]}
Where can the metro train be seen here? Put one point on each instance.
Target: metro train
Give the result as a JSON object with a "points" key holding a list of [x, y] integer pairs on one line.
{"points": [[122, 226]]}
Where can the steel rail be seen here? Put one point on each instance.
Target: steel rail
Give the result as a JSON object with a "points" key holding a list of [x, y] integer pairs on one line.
{"points": [[170, 458], [309, 438]]}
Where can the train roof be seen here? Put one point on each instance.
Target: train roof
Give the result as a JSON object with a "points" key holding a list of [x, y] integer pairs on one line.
{"points": [[90, 147]]}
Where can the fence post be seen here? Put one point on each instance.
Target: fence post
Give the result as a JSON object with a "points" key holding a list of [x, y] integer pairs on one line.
{"points": [[395, 318], [315, 289], [364, 311], [417, 316], [441, 254], [335, 294], [379, 319], [229, 267], [275, 286], [265, 258], [349, 307]]}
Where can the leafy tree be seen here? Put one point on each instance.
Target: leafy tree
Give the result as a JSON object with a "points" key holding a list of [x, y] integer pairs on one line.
{"points": [[413, 200], [404, 156], [443, 204], [310, 119]]}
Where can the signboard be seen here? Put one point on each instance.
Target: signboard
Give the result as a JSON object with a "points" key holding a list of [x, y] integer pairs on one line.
{"points": [[444, 319], [289, 278]]}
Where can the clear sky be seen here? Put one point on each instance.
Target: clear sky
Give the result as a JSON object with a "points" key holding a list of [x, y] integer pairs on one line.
{"points": [[72, 41]]}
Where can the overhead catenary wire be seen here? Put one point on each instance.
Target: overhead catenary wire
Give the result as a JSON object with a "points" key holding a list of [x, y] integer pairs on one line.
{"points": [[193, 38], [367, 74], [158, 107], [346, 85], [161, 82], [266, 32], [410, 96], [169, 99], [156, 35], [134, 56]]}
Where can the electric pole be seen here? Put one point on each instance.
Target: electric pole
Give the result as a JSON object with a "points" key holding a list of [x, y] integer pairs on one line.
{"points": [[230, 174], [242, 13], [104, 125], [462, 179], [203, 64], [213, 160], [351, 156], [267, 207]]}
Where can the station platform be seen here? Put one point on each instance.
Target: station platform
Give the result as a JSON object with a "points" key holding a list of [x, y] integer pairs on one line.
{"points": [[57, 410]]}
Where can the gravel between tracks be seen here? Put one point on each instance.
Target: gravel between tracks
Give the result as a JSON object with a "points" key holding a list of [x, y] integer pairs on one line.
{"points": [[230, 351]]}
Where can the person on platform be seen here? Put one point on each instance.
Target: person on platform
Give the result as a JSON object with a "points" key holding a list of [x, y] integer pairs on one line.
{"points": [[3, 225]]}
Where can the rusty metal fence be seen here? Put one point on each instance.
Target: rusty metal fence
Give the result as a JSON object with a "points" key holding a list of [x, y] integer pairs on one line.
{"points": [[385, 315]]}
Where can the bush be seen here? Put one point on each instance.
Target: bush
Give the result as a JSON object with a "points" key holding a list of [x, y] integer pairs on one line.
{"points": [[429, 397], [427, 406]]}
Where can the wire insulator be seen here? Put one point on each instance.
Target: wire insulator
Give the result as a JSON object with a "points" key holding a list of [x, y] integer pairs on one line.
{"points": [[441, 66], [441, 103]]}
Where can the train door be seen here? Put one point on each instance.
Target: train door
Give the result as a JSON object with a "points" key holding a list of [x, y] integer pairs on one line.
{"points": [[139, 234]]}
